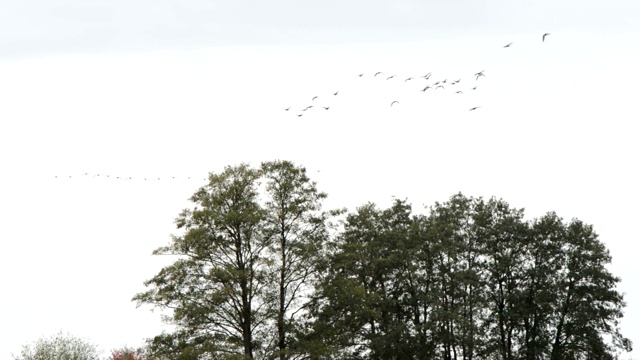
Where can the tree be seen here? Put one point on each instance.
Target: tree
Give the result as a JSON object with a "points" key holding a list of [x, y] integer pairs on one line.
{"points": [[361, 310], [502, 234], [215, 289], [246, 265], [59, 347], [458, 287], [296, 229], [588, 307]]}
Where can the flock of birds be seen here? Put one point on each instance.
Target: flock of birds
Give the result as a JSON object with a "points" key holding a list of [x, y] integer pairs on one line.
{"points": [[440, 84], [434, 85]]}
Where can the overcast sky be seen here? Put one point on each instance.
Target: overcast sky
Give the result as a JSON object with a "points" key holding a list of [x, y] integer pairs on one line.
{"points": [[163, 89]]}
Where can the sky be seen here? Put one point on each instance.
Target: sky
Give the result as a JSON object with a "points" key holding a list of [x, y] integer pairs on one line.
{"points": [[92, 92]]}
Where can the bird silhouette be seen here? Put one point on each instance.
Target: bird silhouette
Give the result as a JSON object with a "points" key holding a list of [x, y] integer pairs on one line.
{"points": [[326, 107], [391, 77], [439, 86], [376, 74], [426, 88], [458, 92], [287, 109], [427, 76], [478, 74], [473, 88], [544, 36], [299, 115], [473, 108], [394, 102], [335, 93], [361, 75], [408, 79], [315, 97], [508, 45]]}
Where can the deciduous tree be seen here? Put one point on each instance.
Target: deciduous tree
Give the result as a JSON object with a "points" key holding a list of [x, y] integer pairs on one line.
{"points": [[215, 289]]}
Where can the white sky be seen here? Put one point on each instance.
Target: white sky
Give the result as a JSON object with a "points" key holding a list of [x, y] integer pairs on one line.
{"points": [[180, 88]]}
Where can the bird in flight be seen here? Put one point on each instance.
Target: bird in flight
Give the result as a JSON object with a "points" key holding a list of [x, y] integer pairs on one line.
{"points": [[395, 102], [376, 74], [508, 45], [473, 108], [473, 88], [439, 86], [458, 92], [335, 93], [299, 115], [478, 74], [287, 109], [427, 76], [426, 88], [408, 79], [315, 97], [307, 108], [361, 75], [391, 77], [544, 36], [326, 107]]}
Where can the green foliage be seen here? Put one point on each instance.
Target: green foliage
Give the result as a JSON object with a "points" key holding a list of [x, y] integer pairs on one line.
{"points": [[246, 262], [59, 347], [470, 280], [258, 275], [297, 231]]}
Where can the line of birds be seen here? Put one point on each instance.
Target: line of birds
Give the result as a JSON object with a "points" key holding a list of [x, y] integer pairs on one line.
{"points": [[437, 85], [107, 176], [143, 178]]}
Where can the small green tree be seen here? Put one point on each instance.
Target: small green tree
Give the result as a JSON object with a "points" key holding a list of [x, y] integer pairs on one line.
{"points": [[59, 347]]}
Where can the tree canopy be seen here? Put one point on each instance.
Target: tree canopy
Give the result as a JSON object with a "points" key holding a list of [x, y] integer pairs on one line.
{"points": [[258, 275]]}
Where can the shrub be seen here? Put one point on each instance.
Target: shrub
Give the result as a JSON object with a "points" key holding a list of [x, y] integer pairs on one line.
{"points": [[59, 347]]}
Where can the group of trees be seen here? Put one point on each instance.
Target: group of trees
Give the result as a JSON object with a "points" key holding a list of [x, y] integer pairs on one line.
{"points": [[260, 274], [471, 280]]}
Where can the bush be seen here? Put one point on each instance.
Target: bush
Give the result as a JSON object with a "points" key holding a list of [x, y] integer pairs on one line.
{"points": [[127, 353], [59, 347]]}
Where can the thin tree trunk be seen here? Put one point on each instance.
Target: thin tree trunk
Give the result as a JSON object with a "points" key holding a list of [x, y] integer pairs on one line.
{"points": [[281, 310]]}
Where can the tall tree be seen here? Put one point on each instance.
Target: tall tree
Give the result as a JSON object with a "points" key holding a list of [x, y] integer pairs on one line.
{"points": [[363, 310], [502, 232], [296, 228], [588, 306], [543, 251], [215, 289], [455, 282]]}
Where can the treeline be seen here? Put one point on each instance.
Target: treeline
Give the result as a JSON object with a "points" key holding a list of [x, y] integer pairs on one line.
{"points": [[260, 274]]}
